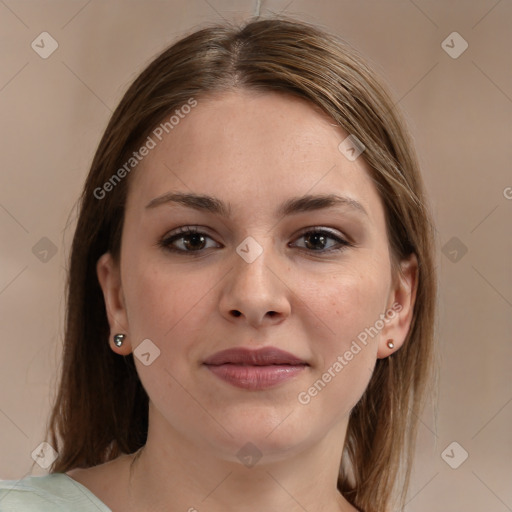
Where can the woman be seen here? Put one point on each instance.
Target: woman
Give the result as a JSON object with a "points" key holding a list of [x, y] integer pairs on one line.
{"points": [[251, 290]]}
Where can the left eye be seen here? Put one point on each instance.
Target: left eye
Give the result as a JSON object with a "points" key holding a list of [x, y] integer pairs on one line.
{"points": [[319, 238], [193, 241]]}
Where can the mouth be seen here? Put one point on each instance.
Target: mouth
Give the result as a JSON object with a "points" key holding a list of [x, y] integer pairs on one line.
{"points": [[261, 357], [255, 369]]}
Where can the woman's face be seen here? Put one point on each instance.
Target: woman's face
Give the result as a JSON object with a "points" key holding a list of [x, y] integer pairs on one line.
{"points": [[255, 274]]}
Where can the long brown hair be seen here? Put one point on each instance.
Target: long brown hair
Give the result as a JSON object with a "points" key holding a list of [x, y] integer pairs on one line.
{"points": [[92, 422]]}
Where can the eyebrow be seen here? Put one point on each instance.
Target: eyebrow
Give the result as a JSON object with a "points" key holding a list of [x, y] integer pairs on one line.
{"points": [[292, 206]]}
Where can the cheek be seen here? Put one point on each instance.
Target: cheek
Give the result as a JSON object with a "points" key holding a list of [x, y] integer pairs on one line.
{"points": [[164, 307], [158, 300], [349, 302], [348, 306]]}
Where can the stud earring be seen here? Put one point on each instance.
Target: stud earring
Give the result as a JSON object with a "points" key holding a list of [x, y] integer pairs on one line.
{"points": [[390, 344], [119, 339]]}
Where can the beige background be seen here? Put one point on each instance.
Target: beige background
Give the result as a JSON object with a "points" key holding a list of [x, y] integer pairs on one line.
{"points": [[54, 111]]}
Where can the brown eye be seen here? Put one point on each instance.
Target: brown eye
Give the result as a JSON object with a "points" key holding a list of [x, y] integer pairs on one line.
{"points": [[194, 242], [186, 240], [189, 241], [318, 241]]}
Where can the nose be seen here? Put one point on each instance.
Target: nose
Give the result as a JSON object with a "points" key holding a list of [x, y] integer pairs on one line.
{"points": [[255, 293]]}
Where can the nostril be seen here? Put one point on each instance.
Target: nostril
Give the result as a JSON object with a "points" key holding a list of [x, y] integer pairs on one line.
{"points": [[236, 312]]}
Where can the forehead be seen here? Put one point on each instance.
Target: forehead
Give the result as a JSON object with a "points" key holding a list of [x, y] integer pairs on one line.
{"points": [[242, 145]]}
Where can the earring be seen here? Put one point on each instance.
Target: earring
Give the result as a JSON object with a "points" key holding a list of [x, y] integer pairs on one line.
{"points": [[390, 344], [118, 339]]}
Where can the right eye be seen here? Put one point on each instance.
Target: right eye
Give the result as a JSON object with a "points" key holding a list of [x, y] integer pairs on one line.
{"points": [[189, 238]]}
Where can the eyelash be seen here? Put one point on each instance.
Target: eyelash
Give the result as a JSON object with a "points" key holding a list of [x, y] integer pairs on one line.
{"points": [[186, 231]]}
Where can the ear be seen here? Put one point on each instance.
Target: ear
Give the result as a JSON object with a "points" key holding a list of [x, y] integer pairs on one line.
{"points": [[109, 276], [400, 309]]}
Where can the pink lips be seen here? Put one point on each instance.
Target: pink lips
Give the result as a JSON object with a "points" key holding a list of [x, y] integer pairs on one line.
{"points": [[255, 369]]}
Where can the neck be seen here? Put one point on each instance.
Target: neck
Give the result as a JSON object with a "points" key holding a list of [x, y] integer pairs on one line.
{"points": [[170, 469]]}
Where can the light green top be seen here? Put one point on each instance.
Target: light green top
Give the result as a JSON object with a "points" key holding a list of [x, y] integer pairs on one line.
{"points": [[56, 492]]}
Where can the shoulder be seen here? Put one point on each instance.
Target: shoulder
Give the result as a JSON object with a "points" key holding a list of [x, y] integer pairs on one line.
{"points": [[55, 492]]}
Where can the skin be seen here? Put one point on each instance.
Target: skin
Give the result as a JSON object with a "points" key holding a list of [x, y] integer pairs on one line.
{"points": [[253, 151]]}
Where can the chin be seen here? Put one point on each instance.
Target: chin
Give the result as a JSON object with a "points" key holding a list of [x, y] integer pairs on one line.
{"points": [[254, 436]]}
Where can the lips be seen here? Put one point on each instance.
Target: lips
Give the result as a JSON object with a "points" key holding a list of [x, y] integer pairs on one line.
{"points": [[261, 357], [255, 369]]}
